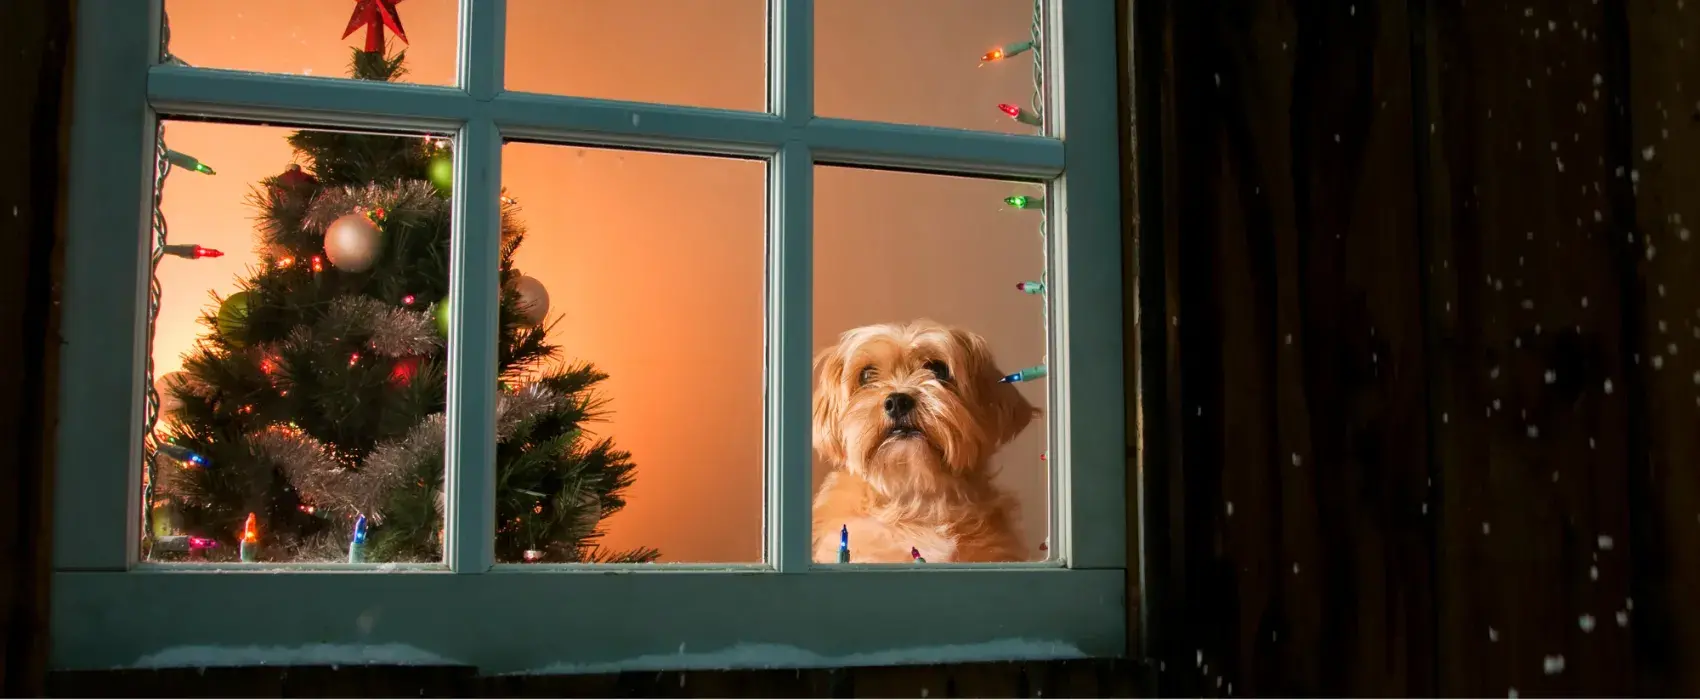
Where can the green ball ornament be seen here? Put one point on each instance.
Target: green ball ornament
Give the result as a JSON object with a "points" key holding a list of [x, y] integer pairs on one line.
{"points": [[442, 172], [233, 318], [442, 315]]}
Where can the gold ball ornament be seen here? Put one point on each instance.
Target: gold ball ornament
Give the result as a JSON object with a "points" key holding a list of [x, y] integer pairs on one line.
{"points": [[233, 319], [352, 242], [533, 299]]}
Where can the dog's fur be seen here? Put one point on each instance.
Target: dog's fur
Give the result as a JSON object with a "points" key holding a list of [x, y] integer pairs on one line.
{"points": [[923, 479]]}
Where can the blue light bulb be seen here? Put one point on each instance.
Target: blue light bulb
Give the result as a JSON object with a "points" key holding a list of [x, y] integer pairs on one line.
{"points": [[360, 530]]}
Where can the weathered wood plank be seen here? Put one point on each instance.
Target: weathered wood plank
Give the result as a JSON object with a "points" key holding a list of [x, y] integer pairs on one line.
{"points": [[1662, 111], [1299, 556], [1133, 340], [1532, 381]]}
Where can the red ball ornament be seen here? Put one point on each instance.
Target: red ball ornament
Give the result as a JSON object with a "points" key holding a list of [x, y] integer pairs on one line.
{"points": [[294, 177], [292, 181], [405, 370]]}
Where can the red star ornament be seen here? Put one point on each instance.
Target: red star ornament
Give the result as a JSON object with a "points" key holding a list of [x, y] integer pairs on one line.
{"points": [[375, 15]]}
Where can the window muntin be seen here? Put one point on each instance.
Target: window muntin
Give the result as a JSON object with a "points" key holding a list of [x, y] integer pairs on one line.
{"points": [[1075, 605]]}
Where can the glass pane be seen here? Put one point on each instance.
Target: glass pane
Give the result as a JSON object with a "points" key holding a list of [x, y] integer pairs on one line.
{"points": [[929, 384], [925, 63], [307, 37], [635, 331], [694, 53], [298, 350]]}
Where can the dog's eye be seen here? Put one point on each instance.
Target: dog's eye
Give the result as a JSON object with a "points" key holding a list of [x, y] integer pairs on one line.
{"points": [[868, 375], [939, 369]]}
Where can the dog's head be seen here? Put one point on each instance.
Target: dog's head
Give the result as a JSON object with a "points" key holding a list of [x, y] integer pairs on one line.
{"points": [[907, 405]]}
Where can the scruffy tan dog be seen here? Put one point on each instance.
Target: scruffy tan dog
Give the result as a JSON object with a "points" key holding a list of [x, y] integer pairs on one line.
{"points": [[909, 415]]}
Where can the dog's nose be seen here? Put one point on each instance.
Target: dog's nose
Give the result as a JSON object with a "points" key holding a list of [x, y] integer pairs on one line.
{"points": [[899, 405]]}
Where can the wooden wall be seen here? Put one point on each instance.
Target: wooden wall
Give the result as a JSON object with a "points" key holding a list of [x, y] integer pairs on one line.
{"points": [[36, 40], [1420, 361], [1428, 353]]}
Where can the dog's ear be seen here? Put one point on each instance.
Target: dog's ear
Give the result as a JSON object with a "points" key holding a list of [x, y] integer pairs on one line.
{"points": [[1007, 410], [1011, 413], [829, 400]]}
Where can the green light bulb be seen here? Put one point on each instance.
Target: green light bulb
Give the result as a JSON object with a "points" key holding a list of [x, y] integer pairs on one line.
{"points": [[1024, 202], [188, 162]]}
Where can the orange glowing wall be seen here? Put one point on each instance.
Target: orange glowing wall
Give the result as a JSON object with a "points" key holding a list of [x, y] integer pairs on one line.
{"points": [[654, 262]]}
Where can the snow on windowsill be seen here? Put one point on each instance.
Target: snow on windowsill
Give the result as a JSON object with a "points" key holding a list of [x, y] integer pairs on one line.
{"points": [[204, 656], [742, 656], [774, 656]]}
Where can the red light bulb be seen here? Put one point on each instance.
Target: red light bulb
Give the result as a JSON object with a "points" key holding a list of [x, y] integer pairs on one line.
{"points": [[1013, 111], [201, 252], [407, 300]]}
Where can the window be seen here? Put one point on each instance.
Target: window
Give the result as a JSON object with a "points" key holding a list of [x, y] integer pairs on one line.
{"points": [[781, 241]]}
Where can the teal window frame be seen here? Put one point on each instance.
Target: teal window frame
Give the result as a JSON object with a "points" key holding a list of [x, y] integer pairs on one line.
{"points": [[110, 610]]}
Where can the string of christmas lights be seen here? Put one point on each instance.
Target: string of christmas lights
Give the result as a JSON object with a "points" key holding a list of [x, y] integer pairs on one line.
{"points": [[1034, 115], [150, 403], [164, 160]]}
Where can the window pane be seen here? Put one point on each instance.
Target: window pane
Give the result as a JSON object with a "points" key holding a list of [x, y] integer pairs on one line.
{"points": [[298, 350], [305, 37], [694, 53], [915, 62], [929, 385], [635, 308]]}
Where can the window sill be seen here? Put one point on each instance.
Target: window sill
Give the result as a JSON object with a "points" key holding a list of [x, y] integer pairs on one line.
{"points": [[1095, 678], [586, 623]]}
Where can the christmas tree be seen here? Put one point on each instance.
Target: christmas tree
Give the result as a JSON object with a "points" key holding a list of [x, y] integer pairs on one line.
{"points": [[308, 423]]}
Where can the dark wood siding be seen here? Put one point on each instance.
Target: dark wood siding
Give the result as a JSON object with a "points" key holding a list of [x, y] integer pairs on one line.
{"points": [[1388, 258]]}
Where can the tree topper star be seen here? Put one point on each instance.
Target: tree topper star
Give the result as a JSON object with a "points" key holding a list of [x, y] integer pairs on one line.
{"points": [[375, 15]]}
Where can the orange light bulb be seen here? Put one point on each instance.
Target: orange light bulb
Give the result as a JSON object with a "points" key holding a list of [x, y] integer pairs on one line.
{"points": [[251, 529]]}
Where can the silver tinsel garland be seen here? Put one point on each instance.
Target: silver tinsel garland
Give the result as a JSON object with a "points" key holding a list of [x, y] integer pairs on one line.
{"points": [[392, 331], [328, 484], [406, 196], [402, 197]]}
